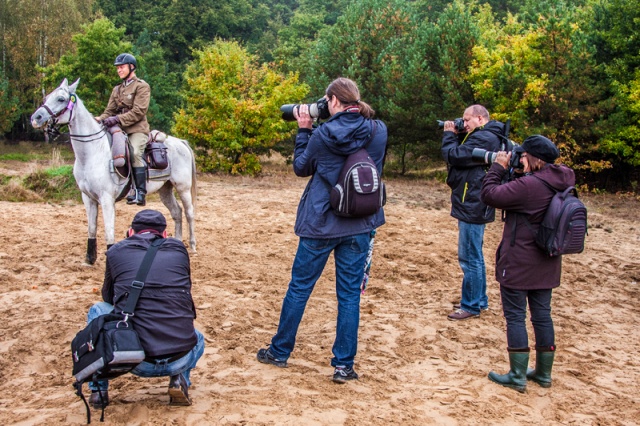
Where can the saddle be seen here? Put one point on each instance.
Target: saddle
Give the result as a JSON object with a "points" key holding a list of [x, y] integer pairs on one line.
{"points": [[155, 156]]}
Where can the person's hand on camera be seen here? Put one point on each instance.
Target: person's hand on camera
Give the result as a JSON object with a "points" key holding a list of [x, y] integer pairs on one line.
{"points": [[503, 158], [302, 115], [450, 126]]}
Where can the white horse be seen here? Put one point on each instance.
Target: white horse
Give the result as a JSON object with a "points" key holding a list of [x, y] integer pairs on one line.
{"points": [[94, 173]]}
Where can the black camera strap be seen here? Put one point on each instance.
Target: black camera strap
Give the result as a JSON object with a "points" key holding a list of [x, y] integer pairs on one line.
{"points": [[138, 282]]}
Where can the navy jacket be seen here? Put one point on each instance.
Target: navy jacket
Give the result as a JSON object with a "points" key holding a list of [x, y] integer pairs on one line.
{"points": [[321, 153], [520, 264], [465, 176], [165, 311]]}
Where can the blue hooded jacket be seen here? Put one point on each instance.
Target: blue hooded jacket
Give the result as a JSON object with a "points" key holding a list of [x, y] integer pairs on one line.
{"points": [[321, 153]]}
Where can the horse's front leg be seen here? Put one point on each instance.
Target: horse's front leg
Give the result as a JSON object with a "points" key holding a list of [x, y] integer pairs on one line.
{"points": [[91, 207], [108, 205]]}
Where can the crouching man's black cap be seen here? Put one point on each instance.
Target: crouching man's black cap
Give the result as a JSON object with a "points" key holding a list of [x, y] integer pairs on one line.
{"points": [[149, 219]]}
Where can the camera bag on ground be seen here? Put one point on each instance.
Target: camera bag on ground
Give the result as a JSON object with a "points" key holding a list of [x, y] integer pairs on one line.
{"points": [[360, 191], [564, 226], [109, 346]]}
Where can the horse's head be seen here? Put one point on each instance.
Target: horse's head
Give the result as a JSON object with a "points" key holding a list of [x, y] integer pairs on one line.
{"points": [[55, 105]]}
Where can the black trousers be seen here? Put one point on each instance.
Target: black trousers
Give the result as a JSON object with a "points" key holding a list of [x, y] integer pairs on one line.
{"points": [[514, 306]]}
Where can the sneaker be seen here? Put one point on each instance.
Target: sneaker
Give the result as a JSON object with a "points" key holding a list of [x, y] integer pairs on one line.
{"points": [[461, 314], [178, 390], [96, 401], [458, 306], [343, 374], [266, 357]]}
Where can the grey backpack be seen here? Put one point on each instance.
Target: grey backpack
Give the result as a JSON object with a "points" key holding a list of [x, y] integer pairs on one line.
{"points": [[360, 191]]}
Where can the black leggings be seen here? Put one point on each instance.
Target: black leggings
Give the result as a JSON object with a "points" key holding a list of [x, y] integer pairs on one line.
{"points": [[514, 306]]}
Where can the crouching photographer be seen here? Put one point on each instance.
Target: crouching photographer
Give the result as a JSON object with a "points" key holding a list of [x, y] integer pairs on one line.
{"points": [[464, 177], [164, 310], [525, 273]]}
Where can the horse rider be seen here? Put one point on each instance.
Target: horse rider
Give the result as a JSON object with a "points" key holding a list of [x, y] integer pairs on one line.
{"points": [[127, 109]]}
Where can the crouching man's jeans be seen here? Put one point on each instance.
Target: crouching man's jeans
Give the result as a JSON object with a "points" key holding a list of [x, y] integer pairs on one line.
{"points": [[159, 367]]}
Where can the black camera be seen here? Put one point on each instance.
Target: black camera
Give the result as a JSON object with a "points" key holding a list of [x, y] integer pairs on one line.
{"points": [[319, 109], [483, 156], [458, 123]]}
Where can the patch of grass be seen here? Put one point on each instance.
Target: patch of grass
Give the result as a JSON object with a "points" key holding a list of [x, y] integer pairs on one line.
{"points": [[16, 156], [53, 184], [35, 151]]}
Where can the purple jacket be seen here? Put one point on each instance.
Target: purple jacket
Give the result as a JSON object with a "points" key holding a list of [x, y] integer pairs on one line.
{"points": [[520, 264], [165, 312]]}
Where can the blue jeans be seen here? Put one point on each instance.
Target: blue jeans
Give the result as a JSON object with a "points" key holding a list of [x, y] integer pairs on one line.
{"points": [[159, 367], [514, 306], [350, 255], [474, 283]]}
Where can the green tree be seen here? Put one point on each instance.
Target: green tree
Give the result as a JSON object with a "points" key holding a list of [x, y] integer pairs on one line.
{"points": [[539, 71], [232, 108], [432, 79], [96, 47], [163, 77], [34, 33], [9, 105], [614, 31]]}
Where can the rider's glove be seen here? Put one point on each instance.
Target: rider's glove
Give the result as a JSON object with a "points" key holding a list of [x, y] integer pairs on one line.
{"points": [[111, 121]]}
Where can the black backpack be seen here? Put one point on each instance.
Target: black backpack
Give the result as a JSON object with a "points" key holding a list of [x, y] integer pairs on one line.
{"points": [[564, 226], [360, 191]]}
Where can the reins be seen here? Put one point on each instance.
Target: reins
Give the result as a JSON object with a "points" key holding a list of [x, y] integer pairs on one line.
{"points": [[53, 128]]}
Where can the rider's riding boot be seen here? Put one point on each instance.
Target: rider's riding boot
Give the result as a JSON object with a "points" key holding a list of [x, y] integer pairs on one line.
{"points": [[140, 179]]}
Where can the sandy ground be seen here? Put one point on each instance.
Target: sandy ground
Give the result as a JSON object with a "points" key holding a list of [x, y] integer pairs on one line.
{"points": [[416, 367]]}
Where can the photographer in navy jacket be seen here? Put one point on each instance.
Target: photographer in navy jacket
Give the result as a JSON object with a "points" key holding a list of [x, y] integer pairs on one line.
{"points": [[321, 153], [164, 314], [525, 273]]}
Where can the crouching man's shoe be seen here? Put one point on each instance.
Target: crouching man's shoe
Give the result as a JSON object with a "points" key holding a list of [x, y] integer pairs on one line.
{"points": [[99, 403], [178, 391]]}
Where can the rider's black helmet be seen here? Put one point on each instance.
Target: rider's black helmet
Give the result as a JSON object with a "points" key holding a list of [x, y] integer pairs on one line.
{"points": [[126, 58]]}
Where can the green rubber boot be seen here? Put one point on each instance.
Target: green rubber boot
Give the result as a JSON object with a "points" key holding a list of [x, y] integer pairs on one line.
{"points": [[544, 362], [516, 378]]}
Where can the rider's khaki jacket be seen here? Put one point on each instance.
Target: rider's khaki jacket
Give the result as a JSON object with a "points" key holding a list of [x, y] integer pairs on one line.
{"points": [[130, 102]]}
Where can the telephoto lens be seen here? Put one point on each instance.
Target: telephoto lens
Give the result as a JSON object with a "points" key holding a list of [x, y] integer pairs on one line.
{"points": [[318, 109], [480, 155]]}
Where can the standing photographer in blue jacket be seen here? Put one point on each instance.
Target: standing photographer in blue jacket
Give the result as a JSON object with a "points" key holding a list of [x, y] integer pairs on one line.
{"points": [[465, 180], [321, 153]]}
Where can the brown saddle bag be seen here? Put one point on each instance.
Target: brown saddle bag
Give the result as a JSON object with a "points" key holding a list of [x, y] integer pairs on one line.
{"points": [[155, 153]]}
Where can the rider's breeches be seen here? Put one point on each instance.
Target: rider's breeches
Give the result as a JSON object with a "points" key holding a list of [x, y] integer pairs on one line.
{"points": [[138, 142]]}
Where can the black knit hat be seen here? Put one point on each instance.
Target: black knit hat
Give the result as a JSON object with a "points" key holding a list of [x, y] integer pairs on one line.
{"points": [[540, 147], [149, 219]]}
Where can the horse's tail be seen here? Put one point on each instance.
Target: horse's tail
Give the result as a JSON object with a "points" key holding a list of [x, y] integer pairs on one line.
{"points": [[194, 179]]}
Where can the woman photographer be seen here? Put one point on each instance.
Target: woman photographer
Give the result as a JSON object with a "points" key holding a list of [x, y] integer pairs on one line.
{"points": [[525, 273], [320, 153]]}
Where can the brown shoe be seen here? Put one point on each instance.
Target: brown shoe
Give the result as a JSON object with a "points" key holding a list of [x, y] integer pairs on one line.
{"points": [[460, 315], [97, 402], [458, 306], [178, 391]]}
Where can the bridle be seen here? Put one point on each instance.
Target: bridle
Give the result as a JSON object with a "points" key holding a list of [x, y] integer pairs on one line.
{"points": [[53, 127]]}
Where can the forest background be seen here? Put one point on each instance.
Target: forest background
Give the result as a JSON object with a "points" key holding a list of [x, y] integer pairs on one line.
{"points": [[220, 70]]}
